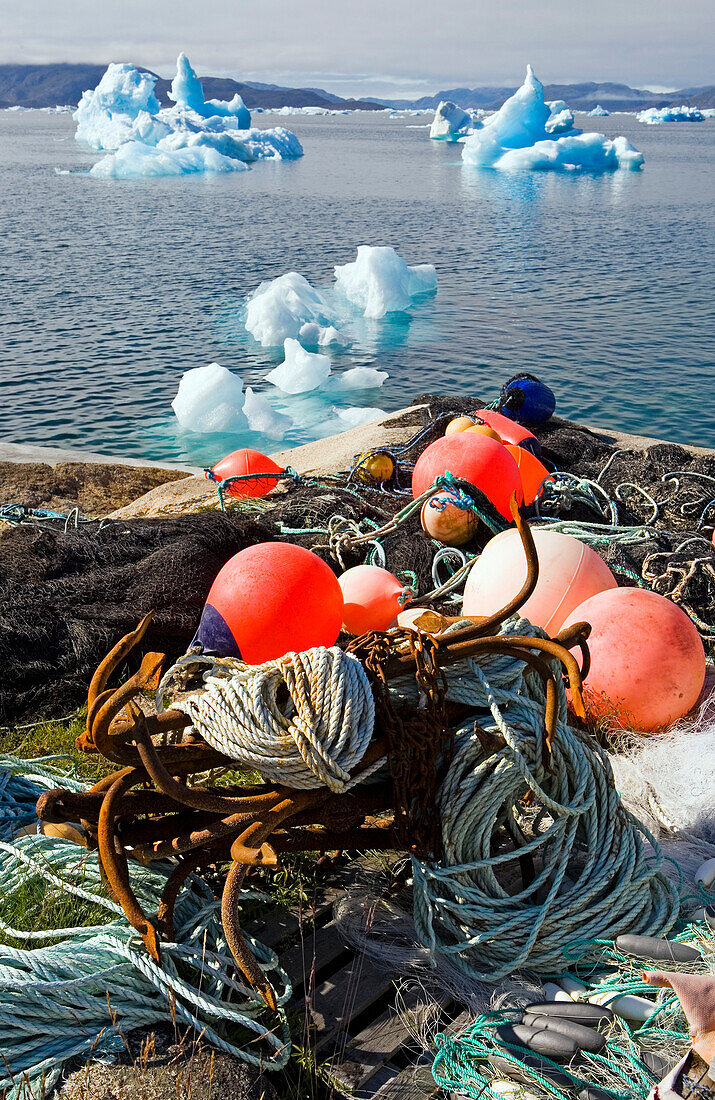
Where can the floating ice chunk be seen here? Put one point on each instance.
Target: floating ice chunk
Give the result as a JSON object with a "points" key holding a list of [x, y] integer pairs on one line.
{"points": [[560, 121], [583, 152], [123, 109], [517, 138], [353, 417], [105, 115], [379, 281], [134, 158], [598, 112], [449, 122], [313, 335], [287, 308], [359, 378], [210, 399], [301, 370], [655, 115], [187, 91], [262, 417]]}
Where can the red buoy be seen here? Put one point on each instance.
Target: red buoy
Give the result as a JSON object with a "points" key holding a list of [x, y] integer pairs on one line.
{"points": [[371, 598], [245, 461], [533, 473], [477, 459], [271, 599], [509, 431], [647, 659]]}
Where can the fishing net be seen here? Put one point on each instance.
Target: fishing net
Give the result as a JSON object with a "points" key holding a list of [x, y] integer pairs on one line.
{"points": [[69, 595]]}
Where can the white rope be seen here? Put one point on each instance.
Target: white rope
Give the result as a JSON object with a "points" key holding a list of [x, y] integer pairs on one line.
{"points": [[304, 720]]}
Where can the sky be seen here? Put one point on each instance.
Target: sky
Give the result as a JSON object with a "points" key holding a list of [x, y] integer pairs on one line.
{"points": [[395, 48]]}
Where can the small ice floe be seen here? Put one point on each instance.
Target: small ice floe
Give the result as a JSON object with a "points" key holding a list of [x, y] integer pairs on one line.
{"points": [[301, 370], [290, 308], [598, 112], [560, 121], [353, 417], [516, 138], [211, 399], [379, 281], [122, 116], [654, 116], [450, 122], [359, 378]]}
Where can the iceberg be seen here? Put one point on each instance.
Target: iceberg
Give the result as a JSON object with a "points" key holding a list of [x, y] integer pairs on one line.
{"points": [[560, 121], [187, 91], [598, 112], [301, 370], [450, 122], [210, 399], [262, 417], [654, 116], [516, 138], [290, 308], [379, 281], [359, 378], [122, 116]]}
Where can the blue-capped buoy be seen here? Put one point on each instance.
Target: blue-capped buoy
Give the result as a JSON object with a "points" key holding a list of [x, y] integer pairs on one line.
{"points": [[527, 400], [270, 599]]}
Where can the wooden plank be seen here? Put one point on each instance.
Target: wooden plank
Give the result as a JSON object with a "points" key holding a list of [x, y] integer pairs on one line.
{"points": [[346, 994], [413, 1083], [316, 950], [379, 1042]]}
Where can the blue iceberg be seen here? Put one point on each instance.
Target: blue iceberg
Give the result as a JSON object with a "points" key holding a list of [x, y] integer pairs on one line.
{"points": [[517, 138], [654, 116], [122, 117]]}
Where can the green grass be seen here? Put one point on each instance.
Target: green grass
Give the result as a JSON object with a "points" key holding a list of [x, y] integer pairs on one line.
{"points": [[56, 737]]}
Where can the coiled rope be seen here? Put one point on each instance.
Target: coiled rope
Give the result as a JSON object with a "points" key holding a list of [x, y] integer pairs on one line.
{"points": [[303, 720], [596, 867], [76, 996]]}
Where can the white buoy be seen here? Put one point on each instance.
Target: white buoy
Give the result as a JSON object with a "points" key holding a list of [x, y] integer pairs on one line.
{"points": [[705, 874], [629, 1006]]}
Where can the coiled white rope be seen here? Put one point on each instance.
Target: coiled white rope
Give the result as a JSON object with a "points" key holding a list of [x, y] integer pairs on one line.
{"points": [[304, 720]]}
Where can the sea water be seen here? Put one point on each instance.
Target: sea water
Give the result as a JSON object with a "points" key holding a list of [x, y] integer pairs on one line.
{"points": [[110, 290]]}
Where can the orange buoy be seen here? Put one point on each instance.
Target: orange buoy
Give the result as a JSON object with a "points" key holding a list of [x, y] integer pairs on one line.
{"points": [[445, 521], [477, 459], [531, 470], [271, 599], [569, 572], [242, 462], [371, 598], [508, 430], [647, 659], [459, 424], [484, 429]]}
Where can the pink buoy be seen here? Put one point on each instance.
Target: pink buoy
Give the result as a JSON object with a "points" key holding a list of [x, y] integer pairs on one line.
{"points": [[446, 521], [569, 572], [271, 599], [481, 461], [647, 659], [509, 431], [371, 598], [242, 462]]}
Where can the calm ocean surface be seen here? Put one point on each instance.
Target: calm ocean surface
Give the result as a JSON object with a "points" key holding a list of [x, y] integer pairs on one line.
{"points": [[601, 285]]}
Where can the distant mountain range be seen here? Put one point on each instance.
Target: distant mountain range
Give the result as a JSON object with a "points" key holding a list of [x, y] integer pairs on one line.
{"points": [[580, 97], [56, 85]]}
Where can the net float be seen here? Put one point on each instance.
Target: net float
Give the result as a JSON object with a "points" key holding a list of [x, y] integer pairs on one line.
{"points": [[647, 659], [532, 471], [527, 400], [375, 466], [481, 461], [569, 572], [246, 463], [459, 424], [270, 599], [372, 598], [508, 430], [446, 521], [586, 1038]]}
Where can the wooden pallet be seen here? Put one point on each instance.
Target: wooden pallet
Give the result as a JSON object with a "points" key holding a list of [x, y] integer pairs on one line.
{"points": [[362, 1038]]}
